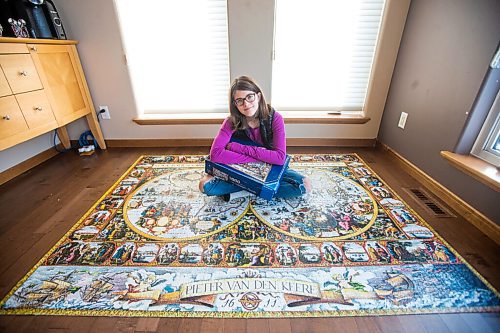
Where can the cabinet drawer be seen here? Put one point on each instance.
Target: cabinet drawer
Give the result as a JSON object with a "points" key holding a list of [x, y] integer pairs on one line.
{"points": [[36, 109], [4, 85], [11, 118], [20, 72]]}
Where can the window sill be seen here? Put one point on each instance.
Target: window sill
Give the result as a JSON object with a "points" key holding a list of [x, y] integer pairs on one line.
{"points": [[217, 118], [475, 167]]}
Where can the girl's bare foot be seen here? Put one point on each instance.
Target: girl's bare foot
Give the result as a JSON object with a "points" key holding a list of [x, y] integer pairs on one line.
{"points": [[205, 179], [307, 184]]}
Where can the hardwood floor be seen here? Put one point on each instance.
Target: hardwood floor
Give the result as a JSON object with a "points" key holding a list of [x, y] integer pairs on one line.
{"points": [[38, 207]]}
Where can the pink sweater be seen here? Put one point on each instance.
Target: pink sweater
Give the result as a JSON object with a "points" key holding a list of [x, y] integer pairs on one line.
{"points": [[239, 153]]}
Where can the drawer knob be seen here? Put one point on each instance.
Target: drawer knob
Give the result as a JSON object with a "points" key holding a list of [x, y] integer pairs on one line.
{"points": [[6, 117], [37, 108], [23, 73], [33, 48]]}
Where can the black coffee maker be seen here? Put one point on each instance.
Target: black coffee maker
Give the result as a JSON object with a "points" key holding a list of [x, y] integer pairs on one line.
{"points": [[31, 18]]}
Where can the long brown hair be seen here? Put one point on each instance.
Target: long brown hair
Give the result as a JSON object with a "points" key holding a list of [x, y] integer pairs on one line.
{"points": [[238, 120]]}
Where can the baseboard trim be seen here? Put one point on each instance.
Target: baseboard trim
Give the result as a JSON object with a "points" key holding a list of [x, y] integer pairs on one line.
{"points": [[323, 142], [151, 143], [291, 142], [30, 163], [476, 218]]}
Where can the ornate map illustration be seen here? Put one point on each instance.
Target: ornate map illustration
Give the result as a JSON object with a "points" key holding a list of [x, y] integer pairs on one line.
{"points": [[154, 244]]}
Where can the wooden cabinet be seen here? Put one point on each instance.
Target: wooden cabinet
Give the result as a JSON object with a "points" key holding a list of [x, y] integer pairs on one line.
{"points": [[42, 88]]}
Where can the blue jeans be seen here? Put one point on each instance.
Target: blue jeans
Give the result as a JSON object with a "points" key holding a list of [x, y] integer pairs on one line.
{"points": [[291, 186]]}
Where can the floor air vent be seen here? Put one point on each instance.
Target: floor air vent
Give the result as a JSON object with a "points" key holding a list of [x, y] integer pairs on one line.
{"points": [[428, 202]]}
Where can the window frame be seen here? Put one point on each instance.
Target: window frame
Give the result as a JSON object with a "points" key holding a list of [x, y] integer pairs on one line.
{"points": [[471, 154], [488, 135]]}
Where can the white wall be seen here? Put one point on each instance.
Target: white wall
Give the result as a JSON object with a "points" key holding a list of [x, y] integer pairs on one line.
{"points": [[444, 55], [17, 154], [95, 25]]}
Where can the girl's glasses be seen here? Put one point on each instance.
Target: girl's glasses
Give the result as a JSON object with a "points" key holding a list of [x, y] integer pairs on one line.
{"points": [[249, 98]]}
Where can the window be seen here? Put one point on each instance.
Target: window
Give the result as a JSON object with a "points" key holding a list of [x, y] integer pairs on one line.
{"points": [[177, 54], [487, 145], [323, 53], [480, 135], [486, 135]]}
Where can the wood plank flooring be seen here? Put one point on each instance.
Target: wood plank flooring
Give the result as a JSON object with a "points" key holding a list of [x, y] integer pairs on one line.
{"points": [[38, 207]]}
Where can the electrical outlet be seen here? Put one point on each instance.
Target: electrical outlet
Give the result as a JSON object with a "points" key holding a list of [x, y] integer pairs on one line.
{"points": [[105, 114], [402, 120]]}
